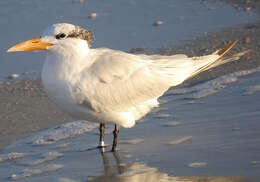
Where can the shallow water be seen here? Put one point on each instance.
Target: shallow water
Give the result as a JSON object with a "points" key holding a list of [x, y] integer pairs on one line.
{"points": [[217, 136], [119, 25]]}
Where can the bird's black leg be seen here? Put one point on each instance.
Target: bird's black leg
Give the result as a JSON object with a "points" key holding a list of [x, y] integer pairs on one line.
{"points": [[102, 134], [116, 132]]}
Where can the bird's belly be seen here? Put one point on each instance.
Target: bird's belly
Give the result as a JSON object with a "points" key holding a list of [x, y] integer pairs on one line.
{"points": [[61, 93], [65, 101]]}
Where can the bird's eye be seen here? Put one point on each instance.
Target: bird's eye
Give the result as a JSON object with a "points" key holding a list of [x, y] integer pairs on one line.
{"points": [[60, 36]]}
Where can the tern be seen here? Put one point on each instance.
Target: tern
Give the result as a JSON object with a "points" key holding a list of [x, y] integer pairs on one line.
{"points": [[110, 86]]}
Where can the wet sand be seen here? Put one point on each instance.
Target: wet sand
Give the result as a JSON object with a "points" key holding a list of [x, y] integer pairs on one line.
{"points": [[25, 108]]}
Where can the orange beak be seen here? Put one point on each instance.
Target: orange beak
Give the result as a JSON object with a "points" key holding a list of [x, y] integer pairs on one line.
{"points": [[28, 45]]}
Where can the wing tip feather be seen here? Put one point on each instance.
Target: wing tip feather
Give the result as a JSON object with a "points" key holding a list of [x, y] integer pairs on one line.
{"points": [[227, 48]]}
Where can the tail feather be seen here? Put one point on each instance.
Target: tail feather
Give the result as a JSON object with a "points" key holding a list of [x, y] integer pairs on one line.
{"points": [[221, 60], [225, 60], [226, 49]]}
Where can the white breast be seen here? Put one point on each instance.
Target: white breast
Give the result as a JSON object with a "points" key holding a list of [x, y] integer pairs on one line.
{"points": [[57, 83]]}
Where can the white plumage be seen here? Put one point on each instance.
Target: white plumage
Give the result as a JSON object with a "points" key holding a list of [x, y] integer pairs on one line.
{"points": [[105, 85]]}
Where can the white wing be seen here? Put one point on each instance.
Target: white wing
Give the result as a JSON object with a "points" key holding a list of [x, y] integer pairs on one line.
{"points": [[118, 81]]}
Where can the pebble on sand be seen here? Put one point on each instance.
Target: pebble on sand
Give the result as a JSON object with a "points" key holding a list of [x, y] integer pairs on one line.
{"points": [[197, 164], [248, 8], [158, 23], [13, 176], [93, 16], [179, 141], [13, 76], [133, 50]]}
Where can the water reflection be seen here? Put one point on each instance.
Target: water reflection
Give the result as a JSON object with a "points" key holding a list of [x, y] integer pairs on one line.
{"points": [[140, 172]]}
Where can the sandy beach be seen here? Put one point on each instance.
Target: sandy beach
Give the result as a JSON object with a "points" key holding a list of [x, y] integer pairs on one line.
{"points": [[205, 129]]}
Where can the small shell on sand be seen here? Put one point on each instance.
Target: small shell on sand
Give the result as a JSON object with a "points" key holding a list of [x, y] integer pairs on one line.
{"points": [[179, 141], [248, 8], [13, 176], [133, 50], [93, 16], [197, 164], [157, 23], [13, 76]]}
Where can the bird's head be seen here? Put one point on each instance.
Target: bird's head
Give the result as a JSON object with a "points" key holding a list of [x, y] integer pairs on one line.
{"points": [[56, 34]]}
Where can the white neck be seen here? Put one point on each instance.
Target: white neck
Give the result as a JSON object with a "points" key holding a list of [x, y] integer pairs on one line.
{"points": [[65, 59]]}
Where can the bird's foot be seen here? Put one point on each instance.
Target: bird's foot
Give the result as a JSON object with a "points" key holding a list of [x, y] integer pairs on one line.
{"points": [[102, 146]]}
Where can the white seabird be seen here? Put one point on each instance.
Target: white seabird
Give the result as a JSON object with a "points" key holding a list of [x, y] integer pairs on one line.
{"points": [[110, 86]]}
